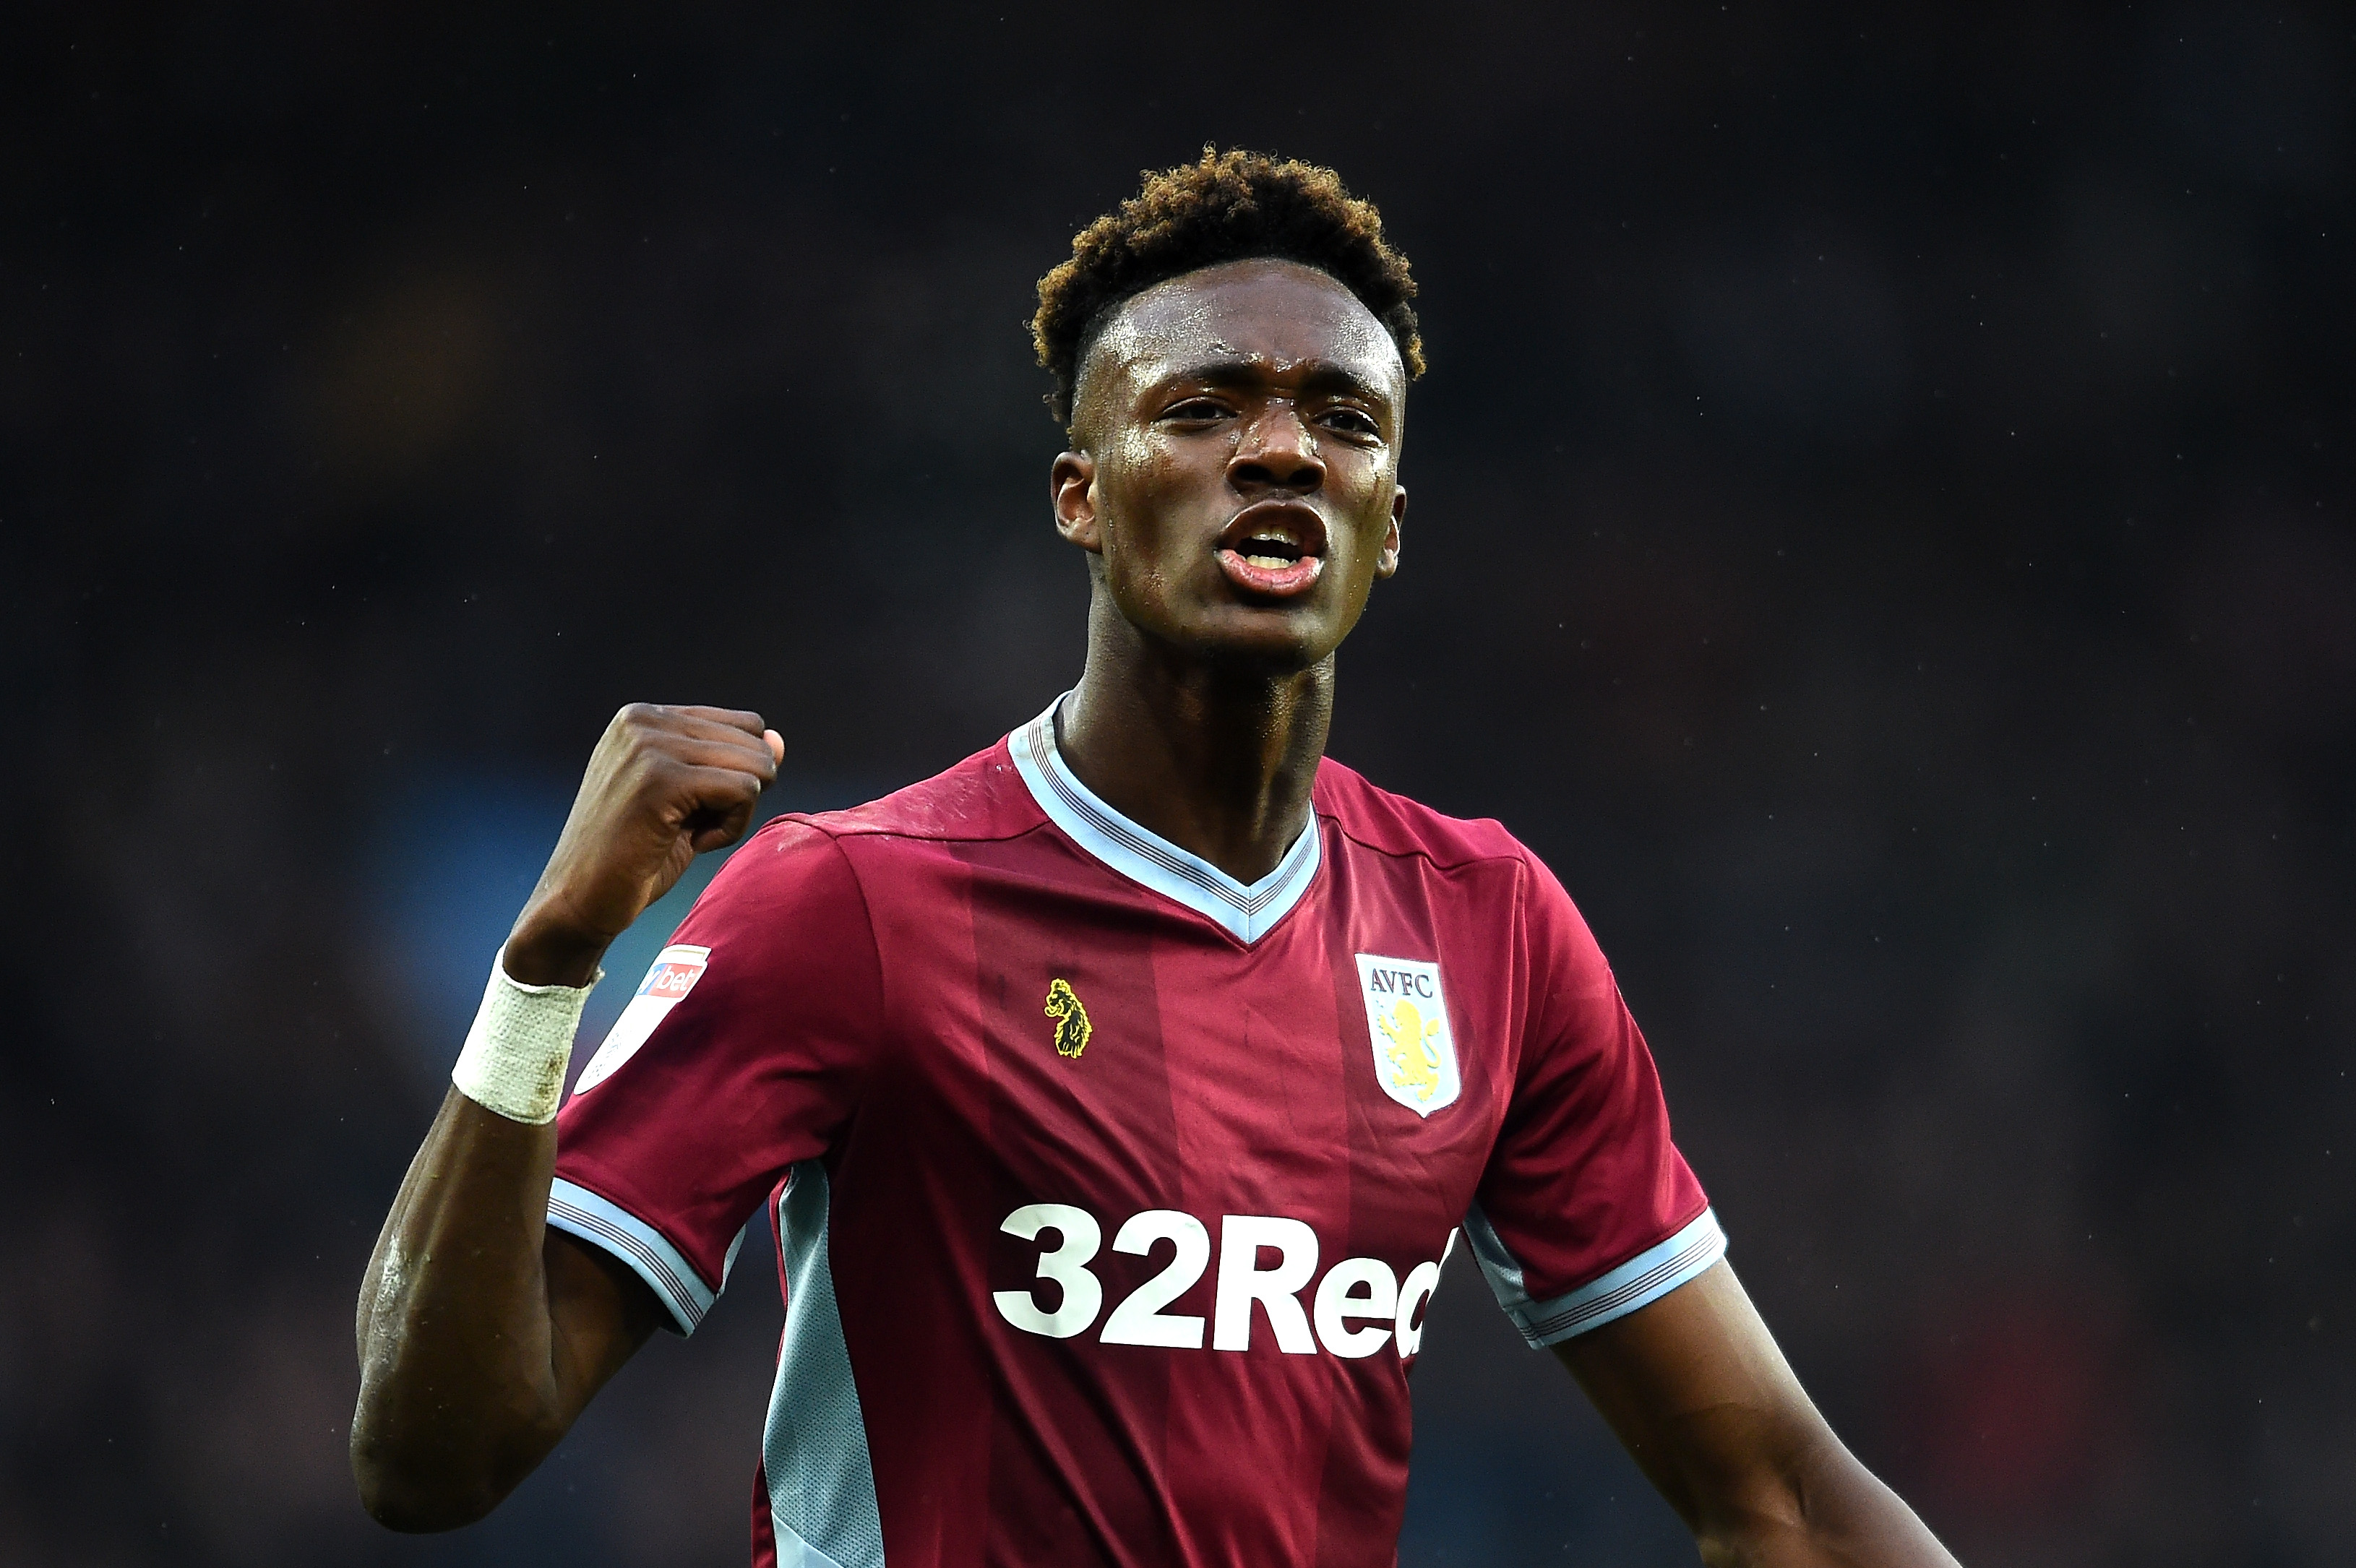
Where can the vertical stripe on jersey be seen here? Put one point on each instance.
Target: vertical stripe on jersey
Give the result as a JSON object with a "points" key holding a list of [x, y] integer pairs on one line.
{"points": [[1078, 1474], [1145, 856], [1641, 1281], [814, 1451]]}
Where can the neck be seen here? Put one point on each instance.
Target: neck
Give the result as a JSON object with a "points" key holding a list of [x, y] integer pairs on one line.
{"points": [[1217, 760]]}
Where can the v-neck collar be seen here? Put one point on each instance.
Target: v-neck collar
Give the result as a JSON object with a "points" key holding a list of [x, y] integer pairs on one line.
{"points": [[1145, 856]]}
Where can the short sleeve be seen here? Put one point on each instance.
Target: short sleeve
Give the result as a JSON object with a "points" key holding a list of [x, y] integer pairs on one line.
{"points": [[1586, 1210], [738, 1056]]}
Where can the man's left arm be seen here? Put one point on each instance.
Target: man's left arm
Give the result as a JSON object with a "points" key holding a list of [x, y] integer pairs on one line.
{"points": [[1697, 1391]]}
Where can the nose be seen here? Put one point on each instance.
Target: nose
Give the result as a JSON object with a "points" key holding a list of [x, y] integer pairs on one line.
{"points": [[1277, 454]]}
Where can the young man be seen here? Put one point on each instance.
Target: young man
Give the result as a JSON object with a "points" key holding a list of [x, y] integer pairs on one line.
{"points": [[1118, 1095]]}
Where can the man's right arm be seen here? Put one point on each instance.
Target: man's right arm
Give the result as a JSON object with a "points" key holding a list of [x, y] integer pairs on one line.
{"points": [[482, 1334]]}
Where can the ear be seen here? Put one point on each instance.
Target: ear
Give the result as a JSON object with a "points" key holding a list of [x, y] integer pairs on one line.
{"points": [[1071, 490], [1386, 558]]}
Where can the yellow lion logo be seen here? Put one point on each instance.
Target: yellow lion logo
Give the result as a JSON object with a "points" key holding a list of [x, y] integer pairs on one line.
{"points": [[1072, 1026], [1415, 1062]]}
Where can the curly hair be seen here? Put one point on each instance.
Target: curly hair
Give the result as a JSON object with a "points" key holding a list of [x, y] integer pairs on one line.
{"points": [[1230, 206]]}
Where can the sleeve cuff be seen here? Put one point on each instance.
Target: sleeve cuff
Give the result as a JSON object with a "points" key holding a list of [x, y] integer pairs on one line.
{"points": [[1641, 1280], [603, 1223]]}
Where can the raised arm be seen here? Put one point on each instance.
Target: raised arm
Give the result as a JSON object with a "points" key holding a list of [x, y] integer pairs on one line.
{"points": [[482, 1335], [1696, 1388]]}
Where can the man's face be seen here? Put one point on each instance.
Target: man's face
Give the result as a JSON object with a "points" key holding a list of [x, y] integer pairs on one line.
{"points": [[1238, 465]]}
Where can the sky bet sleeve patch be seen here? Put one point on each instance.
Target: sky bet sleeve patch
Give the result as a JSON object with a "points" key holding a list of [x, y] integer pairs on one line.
{"points": [[676, 970]]}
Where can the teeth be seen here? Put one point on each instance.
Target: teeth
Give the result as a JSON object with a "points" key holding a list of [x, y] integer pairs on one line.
{"points": [[1269, 561]]}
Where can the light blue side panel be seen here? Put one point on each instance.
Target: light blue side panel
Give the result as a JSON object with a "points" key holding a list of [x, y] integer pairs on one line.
{"points": [[814, 1452]]}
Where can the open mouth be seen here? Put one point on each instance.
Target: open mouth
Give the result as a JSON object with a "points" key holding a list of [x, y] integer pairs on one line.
{"points": [[1274, 549], [1269, 550]]}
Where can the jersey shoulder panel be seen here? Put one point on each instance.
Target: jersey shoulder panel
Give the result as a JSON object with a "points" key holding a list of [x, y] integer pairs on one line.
{"points": [[1393, 825], [1388, 824], [981, 797]]}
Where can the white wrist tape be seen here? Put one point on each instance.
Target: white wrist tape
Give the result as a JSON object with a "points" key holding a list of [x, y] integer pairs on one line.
{"points": [[515, 1056]]}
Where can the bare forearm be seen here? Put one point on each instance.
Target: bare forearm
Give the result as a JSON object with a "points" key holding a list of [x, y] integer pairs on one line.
{"points": [[1831, 1510], [459, 1396], [1710, 1410]]}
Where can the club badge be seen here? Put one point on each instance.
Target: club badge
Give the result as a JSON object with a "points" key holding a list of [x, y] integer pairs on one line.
{"points": [[1406, 1015]]}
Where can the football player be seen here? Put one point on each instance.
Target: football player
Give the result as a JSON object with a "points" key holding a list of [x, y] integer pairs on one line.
{"points": [[1115, 1096]]}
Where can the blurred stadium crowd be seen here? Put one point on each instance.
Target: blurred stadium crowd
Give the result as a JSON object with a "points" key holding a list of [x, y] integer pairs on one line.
{"points": [[1881, 530]]}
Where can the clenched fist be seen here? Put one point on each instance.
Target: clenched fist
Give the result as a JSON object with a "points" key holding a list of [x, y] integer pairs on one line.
{"points": [[664, 785]]}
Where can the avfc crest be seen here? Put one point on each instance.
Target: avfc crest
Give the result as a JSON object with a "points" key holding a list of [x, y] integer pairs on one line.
{"points": [[1415, 1055]]}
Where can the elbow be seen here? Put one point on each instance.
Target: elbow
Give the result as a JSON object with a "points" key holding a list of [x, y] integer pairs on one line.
{"points": [[415, 1484], [413, 1500], [418, 1510], [434, 1451]]}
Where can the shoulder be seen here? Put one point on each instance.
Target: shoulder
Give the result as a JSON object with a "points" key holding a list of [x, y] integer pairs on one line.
{"points": [[1391, 824], [810, 858], [983, 797]]}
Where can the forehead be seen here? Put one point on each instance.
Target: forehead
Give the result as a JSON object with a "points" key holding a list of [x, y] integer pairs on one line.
{"points": [[1281, 314]]}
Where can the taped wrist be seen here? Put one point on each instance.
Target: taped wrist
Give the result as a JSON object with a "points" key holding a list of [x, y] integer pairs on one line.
{"points": [[514, 1059]]}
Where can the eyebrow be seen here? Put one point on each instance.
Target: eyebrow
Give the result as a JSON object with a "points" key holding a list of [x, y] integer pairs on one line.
{"points": [[1324, 376]]}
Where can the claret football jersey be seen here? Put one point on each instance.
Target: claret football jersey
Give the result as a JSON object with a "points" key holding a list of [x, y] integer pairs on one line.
{"points": [[1110, 1192]]}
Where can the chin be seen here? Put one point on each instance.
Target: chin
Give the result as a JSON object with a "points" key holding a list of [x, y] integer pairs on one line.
{"points": [[1265, 639], [1264, 649]]}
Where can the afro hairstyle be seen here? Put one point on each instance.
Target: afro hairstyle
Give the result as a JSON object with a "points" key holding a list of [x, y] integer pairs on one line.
{"points": [[1228, 206]]}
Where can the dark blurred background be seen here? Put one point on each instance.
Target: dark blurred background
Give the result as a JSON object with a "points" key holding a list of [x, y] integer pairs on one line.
{"points": [[1881, 532]]}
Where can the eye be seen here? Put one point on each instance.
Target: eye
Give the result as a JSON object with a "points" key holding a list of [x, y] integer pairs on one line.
{"points": [[1196, 410], [1350, 422]]}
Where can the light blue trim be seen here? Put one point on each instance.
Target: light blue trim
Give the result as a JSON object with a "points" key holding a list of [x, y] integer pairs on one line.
{"points": [[1641, 1280], [1145, 856], [814, 1450], [577, 1212]]}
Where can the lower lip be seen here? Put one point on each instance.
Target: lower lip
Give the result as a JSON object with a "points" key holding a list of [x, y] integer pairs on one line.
{"points": [[1273, 582]]}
